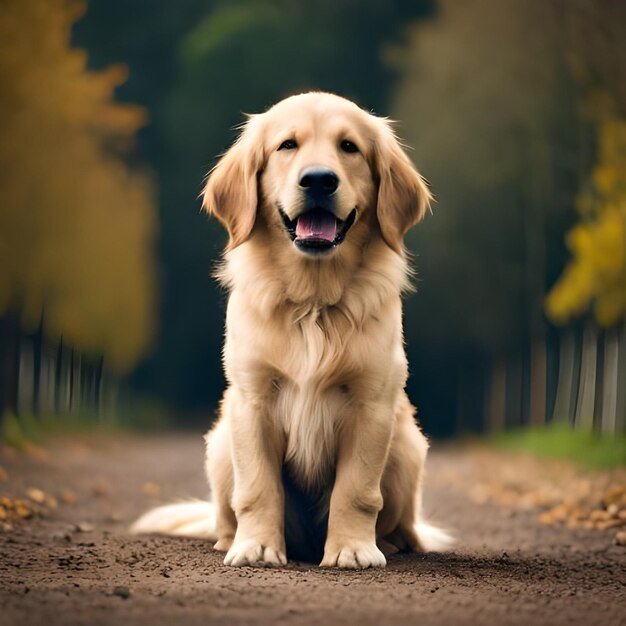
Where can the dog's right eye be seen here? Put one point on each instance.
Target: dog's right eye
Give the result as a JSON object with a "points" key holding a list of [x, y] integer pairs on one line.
{"points": [[288, 144]]}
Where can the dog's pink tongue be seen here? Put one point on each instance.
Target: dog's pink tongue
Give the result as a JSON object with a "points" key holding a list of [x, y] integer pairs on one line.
{"points": [[317, 225]]}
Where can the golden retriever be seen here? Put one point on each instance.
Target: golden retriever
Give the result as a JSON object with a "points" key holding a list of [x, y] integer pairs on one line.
{"points": [[316, 453]]}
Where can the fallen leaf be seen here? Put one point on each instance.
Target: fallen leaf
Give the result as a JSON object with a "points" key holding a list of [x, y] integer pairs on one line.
{"points": [[546, 518], [68, 496], [614, 494], [36, 494], [22, 510], [151, 489], [52, 502], [609, 523], [599, 515], [612, 510], [7, 503]]}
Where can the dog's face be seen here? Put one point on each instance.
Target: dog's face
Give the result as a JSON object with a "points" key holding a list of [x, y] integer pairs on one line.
{"points": [[315, 171], [317, 180]]}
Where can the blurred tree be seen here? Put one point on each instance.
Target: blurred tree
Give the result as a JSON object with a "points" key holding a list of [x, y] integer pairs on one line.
{"points": [[489, 110], [597, 274], [77, 223], [592, 37], [500, 99], [594, 44]]}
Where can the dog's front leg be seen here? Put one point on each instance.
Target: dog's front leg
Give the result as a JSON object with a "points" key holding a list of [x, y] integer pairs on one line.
{"points": [[356, 498], [258, 497]]}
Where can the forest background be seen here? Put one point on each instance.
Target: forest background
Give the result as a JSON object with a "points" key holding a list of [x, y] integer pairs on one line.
{"points": [[112, 112]]}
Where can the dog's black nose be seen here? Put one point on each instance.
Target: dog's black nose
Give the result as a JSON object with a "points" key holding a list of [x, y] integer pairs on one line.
{"points": [[319, 181]]}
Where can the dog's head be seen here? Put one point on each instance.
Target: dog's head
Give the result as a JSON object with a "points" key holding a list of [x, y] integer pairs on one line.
{"points": [[316, 170]]}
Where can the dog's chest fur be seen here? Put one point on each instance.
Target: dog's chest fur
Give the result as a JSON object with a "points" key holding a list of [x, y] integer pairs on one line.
{"points": [[323, 367], [315, 365], [312, 394]]}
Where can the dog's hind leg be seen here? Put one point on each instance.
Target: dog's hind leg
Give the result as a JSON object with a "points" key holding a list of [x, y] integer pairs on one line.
{"points": [[401, 483], [400, 522]]}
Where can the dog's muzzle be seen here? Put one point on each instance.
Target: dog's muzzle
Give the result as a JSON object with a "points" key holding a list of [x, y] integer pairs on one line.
{"points": [[317, 229]]}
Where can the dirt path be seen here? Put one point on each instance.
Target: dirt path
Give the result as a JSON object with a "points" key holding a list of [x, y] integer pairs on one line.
{"points": [[507, 569]]}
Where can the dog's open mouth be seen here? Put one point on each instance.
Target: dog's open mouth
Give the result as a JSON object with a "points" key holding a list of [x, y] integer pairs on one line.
{"points": [[317, 230]]}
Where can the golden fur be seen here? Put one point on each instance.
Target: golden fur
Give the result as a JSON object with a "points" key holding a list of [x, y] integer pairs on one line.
{"points": [[315, 410]]}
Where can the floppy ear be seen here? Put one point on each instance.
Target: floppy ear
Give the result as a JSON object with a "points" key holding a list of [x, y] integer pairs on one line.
{"points": [[403, 196], [231, 189]]}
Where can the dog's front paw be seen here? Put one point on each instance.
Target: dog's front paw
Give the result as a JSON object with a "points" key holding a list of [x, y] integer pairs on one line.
{"points": [[353, 555], [251, 552]]}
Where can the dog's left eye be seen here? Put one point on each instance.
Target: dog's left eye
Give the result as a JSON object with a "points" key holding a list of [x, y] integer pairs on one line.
{"points": [[288, 144], [348, 146]]}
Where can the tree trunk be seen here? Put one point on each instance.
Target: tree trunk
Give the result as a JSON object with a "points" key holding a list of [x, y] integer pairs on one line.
{"points": [[9, 372], [587, 387], [37, 364], [63, 380], [47, 380], [26, 377], [620, 413], [99, 381], [563, 403], [514, 393], [538, 382], [76, 396], [496, 397], [608, 420]]}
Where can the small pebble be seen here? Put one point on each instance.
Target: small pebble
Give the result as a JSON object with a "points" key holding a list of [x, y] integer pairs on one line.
{"points": [[84, 527], [122, 592]]}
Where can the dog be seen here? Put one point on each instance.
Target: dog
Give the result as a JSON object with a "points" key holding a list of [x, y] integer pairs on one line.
{"points": [[316, 453]]}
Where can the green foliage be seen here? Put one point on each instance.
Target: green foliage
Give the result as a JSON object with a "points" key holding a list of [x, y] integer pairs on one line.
{"points": [[226, 22], [12, 432], [21, 432], [558, 440]]}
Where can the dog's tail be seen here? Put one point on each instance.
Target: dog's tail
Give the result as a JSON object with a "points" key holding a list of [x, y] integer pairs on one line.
{"points": [[432, 538], [193, 518]]}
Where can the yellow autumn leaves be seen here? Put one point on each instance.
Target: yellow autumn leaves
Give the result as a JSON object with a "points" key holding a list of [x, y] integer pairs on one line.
{"points": [[596, 276], [77, 224]]}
